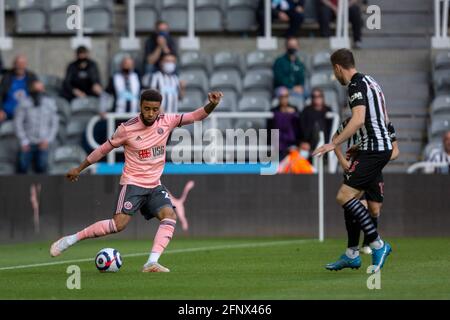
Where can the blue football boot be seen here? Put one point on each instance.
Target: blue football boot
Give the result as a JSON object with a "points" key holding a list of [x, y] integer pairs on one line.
{"points": [[344, 262], [379, 256]]}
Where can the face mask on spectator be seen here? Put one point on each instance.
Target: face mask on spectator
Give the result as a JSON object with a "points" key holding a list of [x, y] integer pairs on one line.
{"points": [[169, 67], [126, 71], [304, 154], [291, 51]]}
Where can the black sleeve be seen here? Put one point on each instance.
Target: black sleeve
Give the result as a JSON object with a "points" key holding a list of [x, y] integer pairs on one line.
{"points": [[357, 94], [391, 132], [95, 74], [67, 84]]}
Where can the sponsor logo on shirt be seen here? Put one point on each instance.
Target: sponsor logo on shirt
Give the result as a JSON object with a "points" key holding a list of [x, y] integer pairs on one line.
{"points": [[357, 95], [152, 153]]}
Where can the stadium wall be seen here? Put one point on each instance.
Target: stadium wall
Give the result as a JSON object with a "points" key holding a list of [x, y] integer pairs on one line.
{"points": [[222, 205]]}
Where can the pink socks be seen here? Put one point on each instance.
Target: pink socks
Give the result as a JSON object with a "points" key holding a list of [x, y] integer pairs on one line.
{"points": [[162, 238], [98, 229]]}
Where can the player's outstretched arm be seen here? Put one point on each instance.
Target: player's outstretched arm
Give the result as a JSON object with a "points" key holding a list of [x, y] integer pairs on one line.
{"points": [[201, 113], [356, 122], [74, 173]]}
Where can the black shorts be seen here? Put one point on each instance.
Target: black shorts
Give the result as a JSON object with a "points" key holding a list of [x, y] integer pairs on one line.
{"points": [[365, 173], [149, 201]]}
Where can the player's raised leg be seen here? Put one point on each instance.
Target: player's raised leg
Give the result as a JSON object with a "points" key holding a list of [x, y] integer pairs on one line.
{"points": [[347, 198], [374, 210], [98, 229], [168, 220]]}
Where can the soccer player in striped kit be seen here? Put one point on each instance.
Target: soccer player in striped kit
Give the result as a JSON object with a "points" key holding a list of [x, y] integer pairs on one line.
{"points": [[373, 197], [144, 139], [368, 106]]}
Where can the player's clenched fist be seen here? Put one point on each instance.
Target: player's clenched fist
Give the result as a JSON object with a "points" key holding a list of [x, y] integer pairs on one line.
{"points": [[215, 97], [73, 174]]}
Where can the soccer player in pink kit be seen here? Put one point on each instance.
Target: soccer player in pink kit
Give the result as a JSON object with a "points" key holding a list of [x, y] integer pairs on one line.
{"points": [[144, 139]]}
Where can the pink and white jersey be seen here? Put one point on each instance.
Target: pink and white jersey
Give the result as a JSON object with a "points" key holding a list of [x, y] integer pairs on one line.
{"points": [[145, 148]]}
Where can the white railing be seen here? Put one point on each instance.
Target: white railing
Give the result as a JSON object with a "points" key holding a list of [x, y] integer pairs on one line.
{"points": [[440, 40], [341, 40], [428, 167], [267, 42], [5, 42], [111, 118]]}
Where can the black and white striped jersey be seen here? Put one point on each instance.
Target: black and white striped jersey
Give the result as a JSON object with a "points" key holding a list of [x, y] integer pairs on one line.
{"points": [[357, 137], [440, 156], [374, 135]]}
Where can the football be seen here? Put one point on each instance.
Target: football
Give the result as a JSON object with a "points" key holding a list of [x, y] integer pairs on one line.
{"points": [[108, 260]]}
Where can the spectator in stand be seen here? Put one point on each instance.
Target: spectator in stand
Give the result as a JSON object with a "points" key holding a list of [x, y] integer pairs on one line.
{"points": [[289, 71], [442, 155], [36, 122], [157, 45], [286, 120], [167, 82], [15, 85], [289, 11], [125, 86], [313, 120], [82, 77], [327, 12]]}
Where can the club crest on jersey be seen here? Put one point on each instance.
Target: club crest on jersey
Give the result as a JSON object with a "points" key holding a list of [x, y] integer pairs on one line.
{"points": [[160, 131], [128, 205]]}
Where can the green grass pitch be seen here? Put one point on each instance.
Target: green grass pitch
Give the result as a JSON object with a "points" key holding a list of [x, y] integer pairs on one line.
{"points": [[227, 269]]}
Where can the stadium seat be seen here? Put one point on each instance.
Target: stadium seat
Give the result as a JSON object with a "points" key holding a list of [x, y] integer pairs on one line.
{"points": [[258, 80], [208, 15], [228, 103], [68, 153], [53, 84], [7, 129], [74, 132], [441, 105], [250, 123], [190, 102], [259, 60], [439, 125], [441, 82], [331, 99], [227, 60], [442, 61], [321, 61], [310, 11], [64, 158], [9, 146], [31, 17], [58, 16], [7, 169], [196, 81], [10, 5], [195, 60], [240, 15], [84, 104], [230, 79], [146, 15], [323, 81], [250, 103], [430, 147], [64, 110], [174, 12], [98, 16]]}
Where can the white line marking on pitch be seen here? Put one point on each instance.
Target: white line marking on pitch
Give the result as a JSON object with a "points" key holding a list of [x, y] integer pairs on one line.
{"points": [[222, 247]]}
